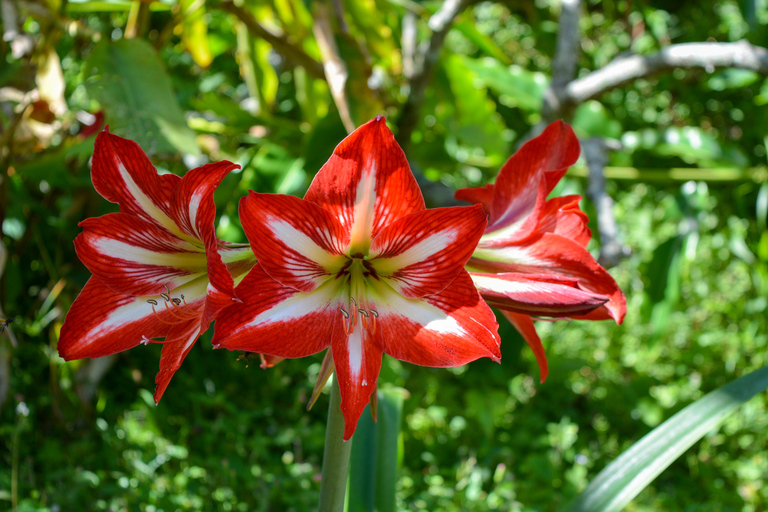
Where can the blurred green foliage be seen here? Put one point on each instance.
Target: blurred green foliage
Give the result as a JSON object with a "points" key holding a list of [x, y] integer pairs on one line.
{"points": [[192, 83]]}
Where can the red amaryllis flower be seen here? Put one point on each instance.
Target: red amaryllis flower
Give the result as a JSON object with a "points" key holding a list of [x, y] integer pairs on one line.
{"points": [[158, 269], [532, 259], [359, 265]]}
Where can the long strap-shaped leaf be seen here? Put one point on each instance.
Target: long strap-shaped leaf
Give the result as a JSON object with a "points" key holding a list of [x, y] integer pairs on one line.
{"points": [[633, 470]]}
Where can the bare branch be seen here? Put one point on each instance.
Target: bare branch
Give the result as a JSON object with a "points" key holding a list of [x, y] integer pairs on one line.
{"points": [[611, 250], [708, 56], [408, 44], [278, 41], [564, 61], [440, 23], [334, 66]]}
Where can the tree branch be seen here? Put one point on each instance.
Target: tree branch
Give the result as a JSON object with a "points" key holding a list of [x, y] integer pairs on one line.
{"points": [[564, 61], [708, 56], [335, 69], [280, 43], [440, 23], [611, 250]]}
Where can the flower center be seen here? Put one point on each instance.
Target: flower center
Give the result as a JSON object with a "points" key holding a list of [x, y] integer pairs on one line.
{"points": [[178, 311], [356, 307]]}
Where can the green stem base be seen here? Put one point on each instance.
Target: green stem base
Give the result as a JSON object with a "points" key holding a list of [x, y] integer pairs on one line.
{"points": [[333, 488]]}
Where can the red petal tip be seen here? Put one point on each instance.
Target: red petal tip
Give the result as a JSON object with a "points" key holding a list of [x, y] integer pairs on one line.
{"points": [[379, 117], [106, 129]]}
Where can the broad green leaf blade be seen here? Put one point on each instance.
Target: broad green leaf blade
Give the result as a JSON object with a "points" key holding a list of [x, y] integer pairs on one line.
{"points": [[129, 81], [633, 470], [374, 460]]}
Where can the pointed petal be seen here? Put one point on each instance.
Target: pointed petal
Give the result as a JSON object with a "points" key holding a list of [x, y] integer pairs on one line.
{"points": [[522, 184], [298, 243], [122, 173], [367, 183], [555, 254], [422, 253], [524, 325], [101, 322], [357, 359], [450, 328], [477, 195], [547, 295], [192, 206], [562, 216], [194, 211], [277, 320], [175, 349], [136, 257]]}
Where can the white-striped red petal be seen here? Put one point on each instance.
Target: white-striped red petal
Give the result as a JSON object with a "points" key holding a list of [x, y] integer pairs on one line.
{"points": [[102, 322], [122, 173], [450, 328], [135, 256], [526, 179], [297, 242], [554, 254], [175, 349], [367, 183], [357, 359], [545, 295], [277, 320], [422, 253], [194, 211]]}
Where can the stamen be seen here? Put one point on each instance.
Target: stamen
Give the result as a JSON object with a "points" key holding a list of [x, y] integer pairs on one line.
{"points": [[165, 321], [179, 313], [152, 301], [165, 297]]}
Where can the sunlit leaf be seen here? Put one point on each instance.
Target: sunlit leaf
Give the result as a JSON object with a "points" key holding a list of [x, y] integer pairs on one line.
{"points": [[134, 90], [592, 119], [516, 87], [633, 470], [374, 460], [194, 33]]}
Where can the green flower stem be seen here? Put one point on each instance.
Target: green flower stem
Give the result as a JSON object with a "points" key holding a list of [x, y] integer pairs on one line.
{"points": [[335, 457]]}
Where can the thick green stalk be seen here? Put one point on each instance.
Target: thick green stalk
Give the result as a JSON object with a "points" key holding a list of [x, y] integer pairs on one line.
{"points": [[335, 457]]}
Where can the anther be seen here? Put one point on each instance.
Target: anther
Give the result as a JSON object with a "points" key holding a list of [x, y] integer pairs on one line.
{"points": [[344, 312], [152, 301]]}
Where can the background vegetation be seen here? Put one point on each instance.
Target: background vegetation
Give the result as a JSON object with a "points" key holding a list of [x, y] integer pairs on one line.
{"points": [[462, 85]]}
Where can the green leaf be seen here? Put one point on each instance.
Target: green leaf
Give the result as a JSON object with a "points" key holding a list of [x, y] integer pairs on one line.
{"points": [[374, 460], [485, 43], [516, 87], [110, 6], [129, 81], [633, 470], [691, 144], [592, 119], [478, 124]]}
